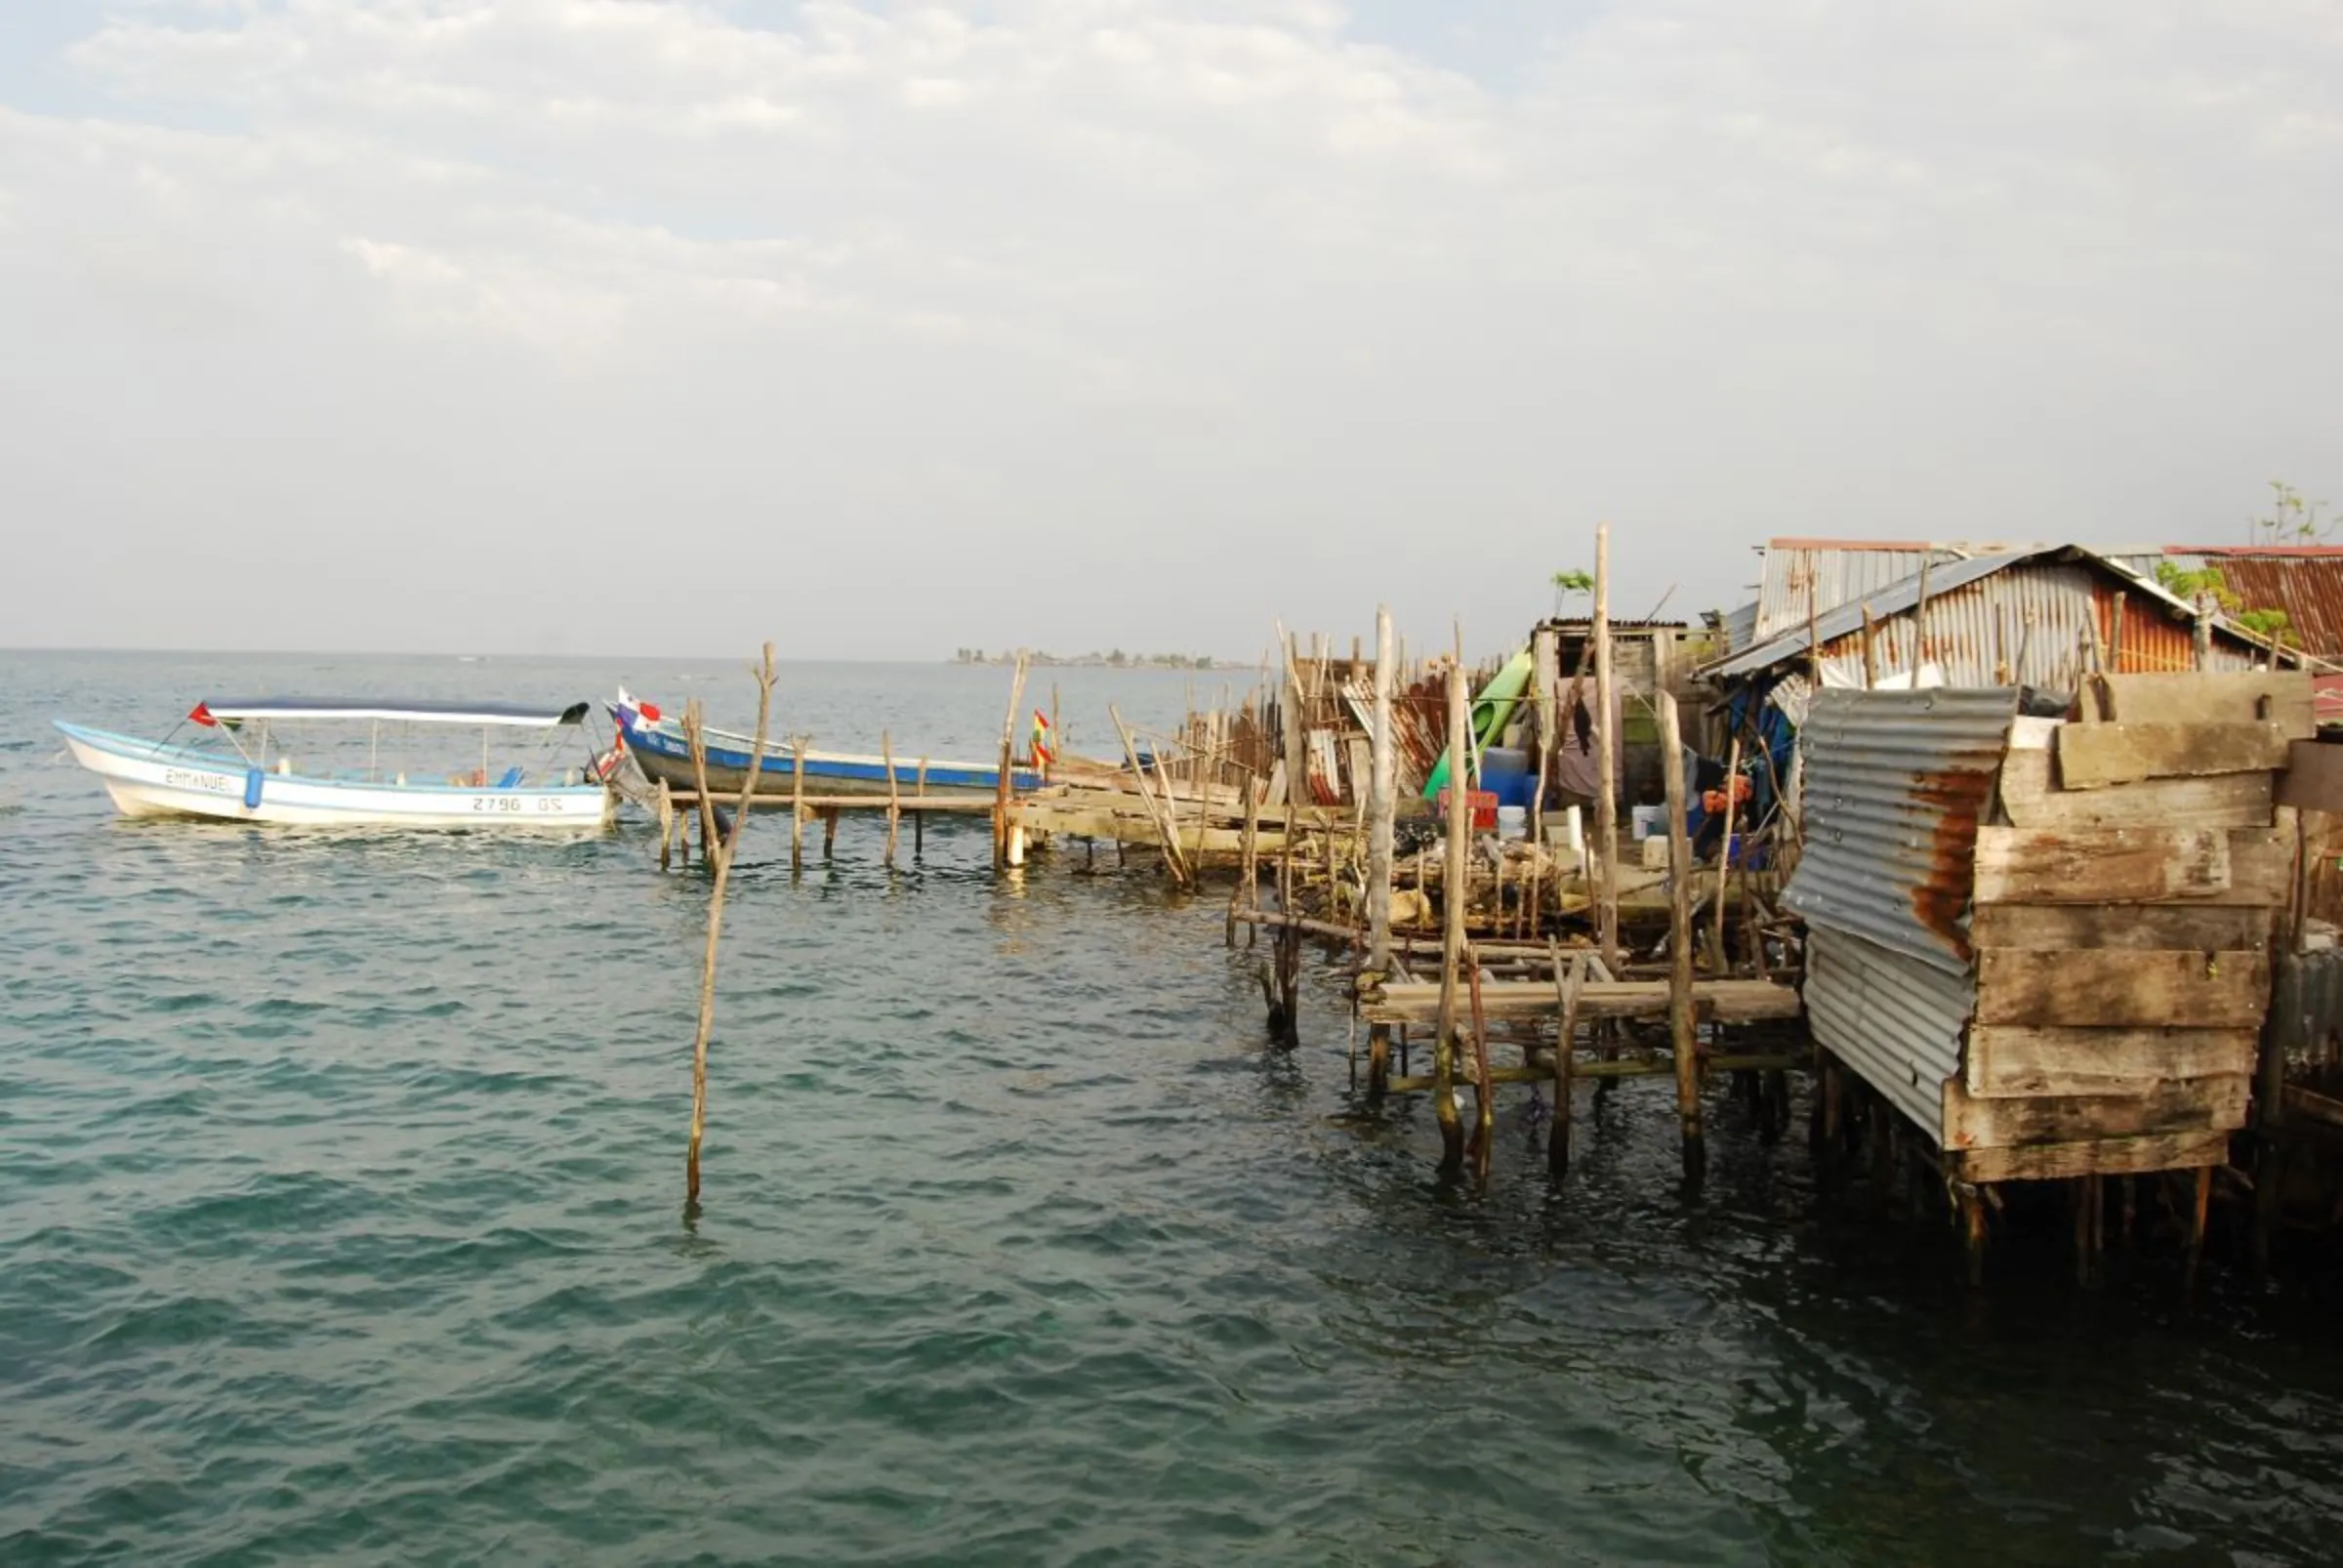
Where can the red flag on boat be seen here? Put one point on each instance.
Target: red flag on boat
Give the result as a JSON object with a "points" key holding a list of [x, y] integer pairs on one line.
{"points": [[202, 714], [649, 712]]}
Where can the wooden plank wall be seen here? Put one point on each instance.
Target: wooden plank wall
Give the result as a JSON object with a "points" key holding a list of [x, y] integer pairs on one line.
{"points": [[2121, 921]]}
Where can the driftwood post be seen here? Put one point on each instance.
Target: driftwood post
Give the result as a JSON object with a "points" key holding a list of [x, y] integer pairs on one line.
{"points": [[1606, 799], [1679, 942], [722, 857], [1456, 881], [1383, 810]]}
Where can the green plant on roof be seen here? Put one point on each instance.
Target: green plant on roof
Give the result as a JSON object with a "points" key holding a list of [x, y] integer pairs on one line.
{"points": [[2292, 520], [1567, 583], [2206, 582]]}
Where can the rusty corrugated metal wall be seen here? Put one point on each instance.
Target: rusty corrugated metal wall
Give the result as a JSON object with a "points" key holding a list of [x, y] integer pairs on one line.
{"points": [[1895, 783]]}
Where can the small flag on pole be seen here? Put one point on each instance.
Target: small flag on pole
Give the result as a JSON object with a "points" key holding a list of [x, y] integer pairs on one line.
{"points": [[202, 714], [1040, 736]]}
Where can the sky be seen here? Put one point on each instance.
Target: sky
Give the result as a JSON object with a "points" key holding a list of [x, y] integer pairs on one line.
{"points": [[619, 327]]}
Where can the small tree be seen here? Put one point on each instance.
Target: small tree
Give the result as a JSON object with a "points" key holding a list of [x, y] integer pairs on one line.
{"points": [[1567, 583], [2292, 520]]}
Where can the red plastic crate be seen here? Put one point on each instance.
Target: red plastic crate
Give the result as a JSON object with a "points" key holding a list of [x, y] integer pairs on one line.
{"points": [[1480, 803]]}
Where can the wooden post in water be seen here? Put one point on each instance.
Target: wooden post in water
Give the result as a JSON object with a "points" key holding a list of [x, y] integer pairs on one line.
{"points": [[1382, 812], [1724, 853], [1454, 885], [830, 816], [1679, 943], [1557, 1149], [1007, 777], [721, 854], [1165, 829], [667, 823], [695, 737], [919, 820], [1606, 799], [895, 794], [797, 805]]}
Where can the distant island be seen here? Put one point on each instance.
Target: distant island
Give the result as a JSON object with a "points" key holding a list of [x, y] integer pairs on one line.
{"points": [[1115, 659]]}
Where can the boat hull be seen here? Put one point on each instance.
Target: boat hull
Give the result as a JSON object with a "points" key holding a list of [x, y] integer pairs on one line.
{"points": [[662, 753], [149, 780]]}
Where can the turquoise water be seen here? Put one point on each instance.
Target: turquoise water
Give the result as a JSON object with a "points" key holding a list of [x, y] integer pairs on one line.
{"points": [[340, 1220]]}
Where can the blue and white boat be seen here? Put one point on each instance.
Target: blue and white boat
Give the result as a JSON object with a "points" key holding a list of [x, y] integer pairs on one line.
{"points": [[657, 744], [238, 768]]}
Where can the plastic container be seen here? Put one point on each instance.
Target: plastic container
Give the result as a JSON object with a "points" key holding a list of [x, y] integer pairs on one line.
{"points": [[1647, 821], [1480, 803], [1512, 821]]}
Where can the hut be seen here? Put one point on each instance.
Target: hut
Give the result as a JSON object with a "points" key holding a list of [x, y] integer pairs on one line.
{"points": [[2045, 940]]}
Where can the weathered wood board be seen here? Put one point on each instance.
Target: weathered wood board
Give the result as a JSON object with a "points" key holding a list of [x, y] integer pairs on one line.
{"points": [[2083, 928], [2131, 866], [2094, 756], [2029, 799], [2118, 988], [2115, 1156], [2282, 697], [2005, 1059], [1733, 1000], [2314, 776], [2183, 1105]]}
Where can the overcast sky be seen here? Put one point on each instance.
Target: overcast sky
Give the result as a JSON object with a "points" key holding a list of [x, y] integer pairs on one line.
{"points": [[617, 326]]}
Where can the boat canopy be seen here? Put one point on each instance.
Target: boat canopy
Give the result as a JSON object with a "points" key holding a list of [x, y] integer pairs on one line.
{"points": [[236, 710]]}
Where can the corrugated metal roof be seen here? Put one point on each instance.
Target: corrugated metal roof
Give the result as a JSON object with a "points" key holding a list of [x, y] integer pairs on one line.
{"points": [[1829, 573], [1971, 633], [2305, 582], [1741, 627], [1897, 1023], [1894, 785]]}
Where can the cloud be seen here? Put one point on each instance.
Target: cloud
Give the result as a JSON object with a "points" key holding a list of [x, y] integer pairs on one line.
{"points": [[1229, 310]]}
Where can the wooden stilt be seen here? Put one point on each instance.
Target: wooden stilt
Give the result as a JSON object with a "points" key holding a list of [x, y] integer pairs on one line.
{"points": [[1454, 882], [797, 805], [1724, 855], [919, 820], [1484, 1088], [1680, 1021], [667, 823], [830, 816], [1606, 801], [2196, 1216], [894, 795], [1566, 1046], [1972, 1224]]}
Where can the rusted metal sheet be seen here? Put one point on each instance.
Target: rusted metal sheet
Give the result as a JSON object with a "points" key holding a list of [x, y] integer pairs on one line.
{"points": [[2306, 581], [1895, 783], [1831, 572], [2026, 618]]}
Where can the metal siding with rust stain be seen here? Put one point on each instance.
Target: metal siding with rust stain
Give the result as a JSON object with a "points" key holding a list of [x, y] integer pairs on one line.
{"points": [[1895, 786]]}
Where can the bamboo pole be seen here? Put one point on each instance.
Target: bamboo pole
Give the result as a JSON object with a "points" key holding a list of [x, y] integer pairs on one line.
{"points": [[1382, 807], [1455, 883], [1606, 801], [895, 794], [1484, 1089], [1165, 830], [716, 910], [1557, 1149], [1679, 942], [1724, 852]]}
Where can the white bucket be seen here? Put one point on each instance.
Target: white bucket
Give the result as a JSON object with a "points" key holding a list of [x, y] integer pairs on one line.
{"points": [[1649, 821], [1512, 821]]}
